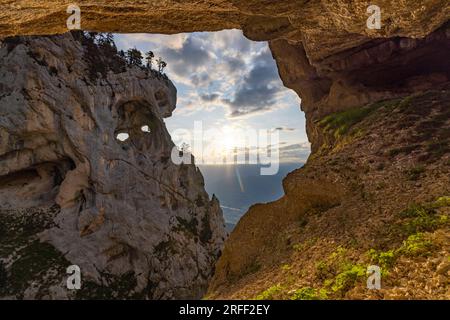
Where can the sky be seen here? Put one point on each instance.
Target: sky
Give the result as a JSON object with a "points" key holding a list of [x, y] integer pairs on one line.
{"points": [[230, 87]]}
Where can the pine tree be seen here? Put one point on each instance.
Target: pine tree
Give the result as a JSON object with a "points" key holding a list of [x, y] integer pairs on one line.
{"points": [[149, 57], [134, 57], [161, 65]]}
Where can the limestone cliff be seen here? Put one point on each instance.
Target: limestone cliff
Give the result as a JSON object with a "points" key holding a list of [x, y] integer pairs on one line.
{"points": [[71, 193], [323, 48], [375, 189]]}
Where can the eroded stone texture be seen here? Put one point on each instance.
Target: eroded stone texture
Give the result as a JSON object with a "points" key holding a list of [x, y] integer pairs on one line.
{"points": [[323, 48], [122, 211]]}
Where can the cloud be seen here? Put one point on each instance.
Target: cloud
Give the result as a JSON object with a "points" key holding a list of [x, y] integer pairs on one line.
{"points": [[187, 59], [295, 152], [283, 129], [209, 97], [259, 88]]}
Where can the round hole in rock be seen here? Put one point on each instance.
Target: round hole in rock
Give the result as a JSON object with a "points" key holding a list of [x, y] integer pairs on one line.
{"points": [[145, 128], [123, 136]]}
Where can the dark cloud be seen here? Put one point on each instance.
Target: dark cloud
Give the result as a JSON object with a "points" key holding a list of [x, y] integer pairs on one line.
{"points": [[200, 79], [258, 89], [187, 59], [284, 129], [209, 97], [234, 64], [295, 152]]}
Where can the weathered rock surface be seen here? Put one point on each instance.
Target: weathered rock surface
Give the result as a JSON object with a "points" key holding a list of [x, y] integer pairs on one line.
{"points": [[376, 192], [324, 50], [368, 165], [71, 193]]}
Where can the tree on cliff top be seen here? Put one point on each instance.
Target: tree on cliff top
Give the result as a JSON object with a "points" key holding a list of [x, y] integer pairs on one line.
{"points": [[134, 57]]}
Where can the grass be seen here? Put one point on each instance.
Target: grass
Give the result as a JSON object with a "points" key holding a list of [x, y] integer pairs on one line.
{"points": [[424, 217], [340, 122]]}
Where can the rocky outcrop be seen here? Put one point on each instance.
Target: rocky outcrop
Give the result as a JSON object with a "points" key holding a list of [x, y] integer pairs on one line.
{"points": [[324, 50], [370, 163], [376, 192], [136, 224]]}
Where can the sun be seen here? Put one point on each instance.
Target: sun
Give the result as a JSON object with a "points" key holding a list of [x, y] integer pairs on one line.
{"points": [[228, 140]]}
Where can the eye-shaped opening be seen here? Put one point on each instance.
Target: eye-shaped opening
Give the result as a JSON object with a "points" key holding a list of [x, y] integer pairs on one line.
{"points": [[137, 126], [122, 136]]}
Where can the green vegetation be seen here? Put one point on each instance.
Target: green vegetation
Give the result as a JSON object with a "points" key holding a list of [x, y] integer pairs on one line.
{"points": [[424, 217], [113, 287], [36, 263], [189, 226], [347, 278], [385, 259], [442, 202], [416, 245], [286, 267], [308, 293], [270, 293], [340, 122]]}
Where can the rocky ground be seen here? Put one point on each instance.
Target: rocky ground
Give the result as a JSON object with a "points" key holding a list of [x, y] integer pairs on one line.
{"points": [[374, 191]]}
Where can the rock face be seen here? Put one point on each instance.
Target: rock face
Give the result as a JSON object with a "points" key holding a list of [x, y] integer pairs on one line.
{"points": [[324, 50], [71, 193], [375, 189], [376, 192]]}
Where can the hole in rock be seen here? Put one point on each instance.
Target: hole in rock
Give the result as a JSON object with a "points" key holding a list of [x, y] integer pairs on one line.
{"points": [[34, 186], [228, 93], [123, 136], [135, 121]]}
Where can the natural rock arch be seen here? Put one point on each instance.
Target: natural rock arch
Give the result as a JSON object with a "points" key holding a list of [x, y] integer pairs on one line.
{"points": [[313, 42]]}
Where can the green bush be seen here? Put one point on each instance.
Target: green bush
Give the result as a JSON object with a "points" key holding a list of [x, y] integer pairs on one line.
{"points": [[442, 202], [347, 279], [385, 259], [416, 245], [422, 218], [308, 293], [270, 293]]}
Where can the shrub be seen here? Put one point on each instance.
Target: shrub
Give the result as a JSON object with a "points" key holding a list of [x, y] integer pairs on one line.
{"points": [[385, 259], [424, 217], [308, 293], [442, 202], [416, 245], [347, 279], [270, 293]]}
